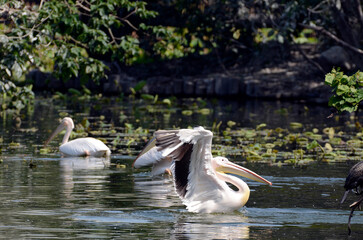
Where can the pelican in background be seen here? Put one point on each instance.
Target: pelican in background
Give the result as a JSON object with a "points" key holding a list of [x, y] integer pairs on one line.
{"points": [[200, 179], [81, 146], [354, 182]]}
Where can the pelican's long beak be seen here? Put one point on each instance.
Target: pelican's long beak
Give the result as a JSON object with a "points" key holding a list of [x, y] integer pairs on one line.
{"points": [[230, 167], [58, 130], [344, 196]]}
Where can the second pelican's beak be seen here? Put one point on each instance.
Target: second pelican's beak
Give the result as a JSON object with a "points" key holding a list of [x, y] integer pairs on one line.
{"points": [[344, 196], [148, 146], [58, 130], [229, 167]]}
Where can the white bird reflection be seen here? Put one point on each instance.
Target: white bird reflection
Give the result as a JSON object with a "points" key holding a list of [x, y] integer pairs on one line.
{"points": [[76, 170], [78, 163], [159, 192], [155, 192], [212, 226]]}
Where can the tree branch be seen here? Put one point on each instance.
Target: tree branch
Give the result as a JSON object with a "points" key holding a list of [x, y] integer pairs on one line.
{"points": [[78, 42], [316, 8], [112, 36], [315, 64], [131, 13], [360, 13], [78, 4], [31, 30], [332, 36], [41, 4], [128, 22]]}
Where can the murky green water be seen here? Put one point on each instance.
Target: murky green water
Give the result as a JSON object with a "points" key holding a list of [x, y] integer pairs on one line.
{"points": [[46, 196]]}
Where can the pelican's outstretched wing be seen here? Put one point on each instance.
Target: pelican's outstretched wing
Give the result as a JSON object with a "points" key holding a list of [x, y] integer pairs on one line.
{"points": [[161, 151], [169, 146], [190, 150], [150, 155]]}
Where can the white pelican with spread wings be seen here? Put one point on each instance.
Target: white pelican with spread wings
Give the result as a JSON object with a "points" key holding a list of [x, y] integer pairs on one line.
{"points": [[200, 179]]}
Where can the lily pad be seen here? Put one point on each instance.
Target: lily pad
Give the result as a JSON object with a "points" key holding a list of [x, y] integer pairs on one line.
{"points": [[187, 112], [231, 123], [316, 137], [167, 102], [254, 158], [354, 143], [328, 148], [302, 140], [262, 125], [305, 161], [44, 150], [295, 125], [205, 111], [269, 145], [335, 141]]}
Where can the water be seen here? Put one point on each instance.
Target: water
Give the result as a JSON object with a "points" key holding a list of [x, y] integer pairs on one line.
{"points": [[47, 196], [70, 198]]}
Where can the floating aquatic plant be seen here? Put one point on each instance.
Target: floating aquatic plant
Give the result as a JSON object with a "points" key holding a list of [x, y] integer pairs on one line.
{"points": [[43, 151], [130, 128], [187, 112], [295, 125]]}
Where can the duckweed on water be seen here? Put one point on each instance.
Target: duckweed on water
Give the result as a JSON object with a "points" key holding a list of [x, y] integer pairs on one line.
{"points": [[204, 111], [275, 146], [128, 130], [187, 112], [44, 151], [295, 125]]}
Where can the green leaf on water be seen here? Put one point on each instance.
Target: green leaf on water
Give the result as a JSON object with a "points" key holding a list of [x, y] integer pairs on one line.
{"points": [[187, 112], [147, 97], [231, 123], [167, 101], [312, 145], [262, 125], [295, 125], [139, 86]]}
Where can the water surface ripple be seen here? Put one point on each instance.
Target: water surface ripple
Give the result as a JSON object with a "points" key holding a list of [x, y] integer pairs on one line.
{"points": [[47, 196]]}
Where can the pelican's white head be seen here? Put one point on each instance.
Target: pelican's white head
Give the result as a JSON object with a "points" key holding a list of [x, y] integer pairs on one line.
{"points": [[66, 123]]}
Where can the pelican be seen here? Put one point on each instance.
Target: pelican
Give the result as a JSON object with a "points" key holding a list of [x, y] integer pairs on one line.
{"points": [[354, 182], [200, 179], [81, 146]]}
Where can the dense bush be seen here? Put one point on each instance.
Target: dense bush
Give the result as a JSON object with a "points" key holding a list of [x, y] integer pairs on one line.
{"points": [[76, 38], [73, 39], [348, 91]]}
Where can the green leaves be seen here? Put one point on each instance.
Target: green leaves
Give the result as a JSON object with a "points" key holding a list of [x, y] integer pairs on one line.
{"points": [[69, 38], [348, 93], [342, 89]]}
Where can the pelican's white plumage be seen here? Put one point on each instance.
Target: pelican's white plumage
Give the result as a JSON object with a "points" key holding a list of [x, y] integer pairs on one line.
{"points": [[81, 146], [199, 179]]}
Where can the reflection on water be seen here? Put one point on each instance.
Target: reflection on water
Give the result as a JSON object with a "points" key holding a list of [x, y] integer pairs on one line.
{"points": [[155, 192], [160, 193], [91, 198], [79, 163], [212, 226], [70, 168]]}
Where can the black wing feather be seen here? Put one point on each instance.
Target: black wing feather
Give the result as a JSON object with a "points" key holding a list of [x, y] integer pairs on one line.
{"points": [[181, 171], [181, 156]]}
